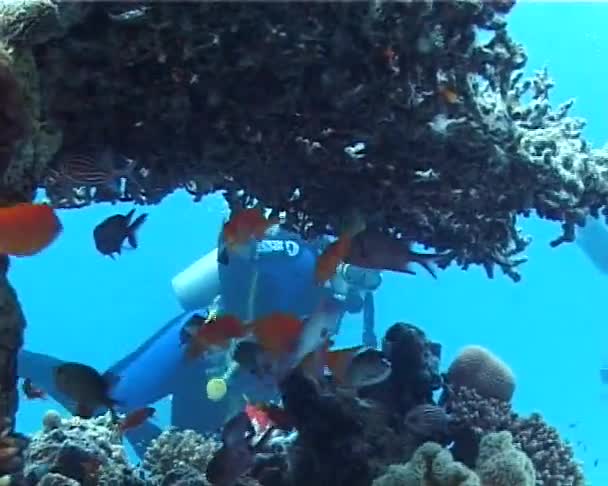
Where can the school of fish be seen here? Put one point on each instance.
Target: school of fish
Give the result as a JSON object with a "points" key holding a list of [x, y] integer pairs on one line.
{"points": [[270, 346]]}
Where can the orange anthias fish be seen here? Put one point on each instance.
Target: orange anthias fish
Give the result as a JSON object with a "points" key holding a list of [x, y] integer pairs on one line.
{"points": [[266, 415], [31, 391], [26, 228], [242, 227], [216, 333], [278, 332], [332, 256], [136, 418]]}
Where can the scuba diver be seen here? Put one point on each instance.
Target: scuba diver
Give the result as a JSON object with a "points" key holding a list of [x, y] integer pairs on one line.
{"points": [[274, 274], [593, 240]]}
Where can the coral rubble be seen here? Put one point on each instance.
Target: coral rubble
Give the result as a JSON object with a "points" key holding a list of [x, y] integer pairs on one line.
{"points": [[281, 101]]}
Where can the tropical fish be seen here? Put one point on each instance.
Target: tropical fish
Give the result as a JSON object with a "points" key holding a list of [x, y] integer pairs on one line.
{"points": [[92, 166], [331, 257], [277, 333], [269, 415], [87, 387], [31, 391], [241, 228], [380, 251], [26, 228], [428, 421], [136, 418], [110, 234], [216, 332]]}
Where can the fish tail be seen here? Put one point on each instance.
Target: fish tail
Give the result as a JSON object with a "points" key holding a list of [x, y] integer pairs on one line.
{"points": [[133, 227], [426, 261]]}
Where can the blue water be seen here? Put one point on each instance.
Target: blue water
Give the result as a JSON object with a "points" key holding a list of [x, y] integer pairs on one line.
{"points": [[551, 327]]}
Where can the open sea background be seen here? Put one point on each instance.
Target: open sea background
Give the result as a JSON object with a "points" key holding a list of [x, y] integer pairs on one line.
{"points": [[550, 327]]}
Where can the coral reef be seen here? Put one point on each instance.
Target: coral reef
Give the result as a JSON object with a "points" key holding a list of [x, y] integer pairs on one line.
{"points": [[280, 101], [477, 368], [431, 465], [12, 326], [415, 369], [553, 459], [500, 463], [88, 452], [179, 456]]}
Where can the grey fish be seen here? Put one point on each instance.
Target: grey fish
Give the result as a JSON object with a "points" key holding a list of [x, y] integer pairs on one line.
{"points": [[368, 367], [86, 386], [428, 421], [110, 234]]}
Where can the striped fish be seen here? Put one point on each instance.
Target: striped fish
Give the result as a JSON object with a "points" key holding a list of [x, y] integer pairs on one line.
{"points": [[90, 167]]}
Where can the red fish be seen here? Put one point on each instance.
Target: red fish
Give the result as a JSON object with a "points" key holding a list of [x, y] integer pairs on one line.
{"points": [[215, 333], [332, 256], [26, 228], [278, 332], [242, 227], [269, 415], [136, 418], [380, 251], [31, 391], [257, 416]]}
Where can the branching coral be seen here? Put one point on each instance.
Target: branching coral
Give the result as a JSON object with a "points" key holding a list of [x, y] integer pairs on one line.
{"points": [[176, 455]]}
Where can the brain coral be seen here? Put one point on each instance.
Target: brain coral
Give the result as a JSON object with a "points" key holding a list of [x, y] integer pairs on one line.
{"points": [[477, 368]]}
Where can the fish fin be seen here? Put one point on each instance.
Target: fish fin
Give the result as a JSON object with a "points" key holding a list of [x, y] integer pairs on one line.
{"points": [[129, 215], [133, 227], [425, 262]]}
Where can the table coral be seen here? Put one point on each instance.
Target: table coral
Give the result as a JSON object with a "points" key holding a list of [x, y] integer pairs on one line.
{"points": [[280, 102]]}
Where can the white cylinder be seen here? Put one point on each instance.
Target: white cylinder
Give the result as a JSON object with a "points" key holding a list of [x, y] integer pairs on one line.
{"points": [[197, 285]]}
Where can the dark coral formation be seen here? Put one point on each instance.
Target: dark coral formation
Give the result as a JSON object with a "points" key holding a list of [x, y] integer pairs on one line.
{"points": [[286, 100], [553, 459]]}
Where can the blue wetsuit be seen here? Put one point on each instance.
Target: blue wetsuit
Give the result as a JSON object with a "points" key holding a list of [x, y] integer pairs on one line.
{"points": [[284, 264]]}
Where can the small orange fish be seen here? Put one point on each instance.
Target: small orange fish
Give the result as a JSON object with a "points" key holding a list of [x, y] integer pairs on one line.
{"points": [[26, 228], [136, 418], [269, 415], [278, 332], [328, 261], [243, 226], [217, 332], [31, 391], [258, 416]]}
